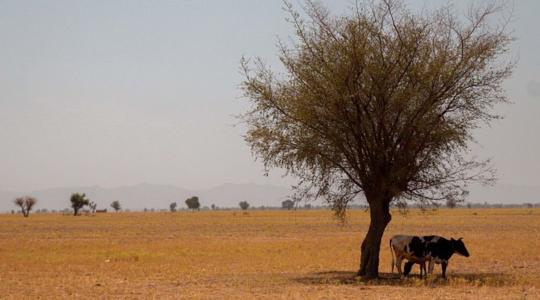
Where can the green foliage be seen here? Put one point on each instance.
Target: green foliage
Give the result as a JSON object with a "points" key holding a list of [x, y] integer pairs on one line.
{"points": [[380, 102], [172, 207]]}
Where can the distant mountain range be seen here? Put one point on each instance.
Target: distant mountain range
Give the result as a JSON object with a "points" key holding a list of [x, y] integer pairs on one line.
{"points": [[140, 196], [505, 194]]}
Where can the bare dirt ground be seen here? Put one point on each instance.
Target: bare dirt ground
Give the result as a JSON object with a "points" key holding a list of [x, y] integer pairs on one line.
{"points": [[261, 254]]}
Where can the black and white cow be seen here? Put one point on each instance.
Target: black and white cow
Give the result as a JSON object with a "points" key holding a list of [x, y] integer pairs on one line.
{"points": [[433, 249], [407, 247]]}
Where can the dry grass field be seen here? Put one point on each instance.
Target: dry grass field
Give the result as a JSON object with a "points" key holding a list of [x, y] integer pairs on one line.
{"points": [[261, 254]]}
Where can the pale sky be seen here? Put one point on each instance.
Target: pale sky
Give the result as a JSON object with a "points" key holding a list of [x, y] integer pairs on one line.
{"points": [[116, 93]]}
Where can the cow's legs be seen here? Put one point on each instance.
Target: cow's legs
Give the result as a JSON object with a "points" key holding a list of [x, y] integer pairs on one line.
{"points": [[398, 264], [431, 266], [408, 267], [444, 264], [423, 269]]}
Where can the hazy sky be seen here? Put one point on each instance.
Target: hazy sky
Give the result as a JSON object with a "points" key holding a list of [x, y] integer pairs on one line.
{"points": [[122, 92]]}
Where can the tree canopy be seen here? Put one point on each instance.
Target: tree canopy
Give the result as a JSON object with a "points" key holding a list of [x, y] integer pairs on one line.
{"points": [[244, 205], [26, 204], [193, 203], [78, 201], [116, 205]]}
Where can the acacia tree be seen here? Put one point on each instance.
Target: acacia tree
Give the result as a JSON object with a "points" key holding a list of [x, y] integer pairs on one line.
{"points": [[26, 204], [244, 205], [172, 206], [379, 103], [116, 205], [193, 203], [78, 201]]}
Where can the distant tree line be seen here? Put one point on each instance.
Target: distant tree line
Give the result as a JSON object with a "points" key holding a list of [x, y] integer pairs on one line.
{"points": [[80, 202]]}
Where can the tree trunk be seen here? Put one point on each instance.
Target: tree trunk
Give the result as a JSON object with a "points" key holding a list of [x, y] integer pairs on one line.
{"points": [[369, 257]]}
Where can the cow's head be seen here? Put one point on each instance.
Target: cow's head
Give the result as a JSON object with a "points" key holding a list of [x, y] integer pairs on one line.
{"points": [[459, 247]]}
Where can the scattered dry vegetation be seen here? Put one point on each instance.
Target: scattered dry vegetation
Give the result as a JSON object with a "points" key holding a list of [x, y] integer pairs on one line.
{"points": [[263, 254]]}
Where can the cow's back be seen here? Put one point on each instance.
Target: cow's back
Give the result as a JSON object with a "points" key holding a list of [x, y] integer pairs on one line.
{"points": [[400, 242], [401, 239], [439, 248]]}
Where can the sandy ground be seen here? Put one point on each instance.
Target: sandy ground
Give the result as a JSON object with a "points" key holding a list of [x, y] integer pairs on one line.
{"points": [[259, 254]]}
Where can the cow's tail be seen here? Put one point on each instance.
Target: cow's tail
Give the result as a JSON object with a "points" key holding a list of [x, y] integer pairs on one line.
{"points": [[392, 254]]}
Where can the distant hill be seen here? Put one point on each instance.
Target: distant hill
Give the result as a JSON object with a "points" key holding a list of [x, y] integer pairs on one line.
{"points": [[229, 195], [505, 194], [140, 196]]}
